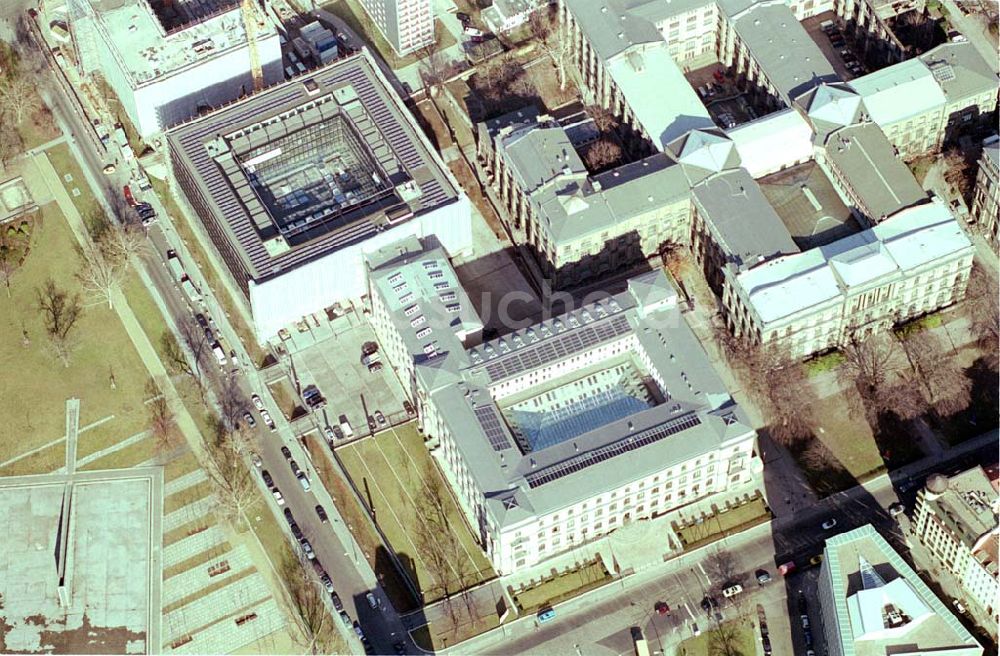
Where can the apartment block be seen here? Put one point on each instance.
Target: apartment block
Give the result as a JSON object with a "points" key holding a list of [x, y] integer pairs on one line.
{"points": [[407, 25], [986, 201], [956, 519], [559, 433]]}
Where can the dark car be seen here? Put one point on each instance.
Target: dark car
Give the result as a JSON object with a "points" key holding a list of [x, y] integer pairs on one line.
{"points": [[706, 605], [294, 465], [202, 321], [266, 475], [399, 647], [247, 417], [344, 616], [371, 423], [321, 513], [285, 452], [462, 16], [662, 607], [296, 531], [337, 603], [327, 582], [289, 516]]}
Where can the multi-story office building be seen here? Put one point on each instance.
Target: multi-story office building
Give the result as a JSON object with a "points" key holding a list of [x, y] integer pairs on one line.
{"points": [[956, 519], [167, 61], [296, 183], [986, 200], [910, 264], [921, 103], [575, 224], [561, 432], [873, 603], [407, 25]]}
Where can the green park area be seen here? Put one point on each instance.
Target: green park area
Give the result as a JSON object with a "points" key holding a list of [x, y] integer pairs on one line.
{"points": [[101, 367], [413, 506], [735, 638]]}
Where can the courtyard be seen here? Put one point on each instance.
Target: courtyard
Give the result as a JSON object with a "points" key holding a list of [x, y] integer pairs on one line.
{"points": [[808, 205]]}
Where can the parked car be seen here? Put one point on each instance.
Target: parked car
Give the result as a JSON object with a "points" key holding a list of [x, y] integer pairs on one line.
{"points": [[695, 631], [307, 549], [303, 481], [266, 416], [380, 418], [762, 576], [257, 403], [399, 648], [321, 513], [828, 524], [289, 517], [277, 496], [337, 603], [247, 417], [255, 459], [328, 432], [345, 617], [662, 608], [109, 169], [546, 614], [368, 348], [462, 17], [371, 424], [266, 475], [732, 590], [816, 560], [896, 509], [408, 407], [786, 568], [294, 466], [327, 582], [805, 621], [129, 198], [296, 531], [372, 601], [285, 452]]}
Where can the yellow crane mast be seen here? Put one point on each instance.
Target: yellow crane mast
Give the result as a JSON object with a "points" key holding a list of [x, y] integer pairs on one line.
{"points": [[251, 22]]}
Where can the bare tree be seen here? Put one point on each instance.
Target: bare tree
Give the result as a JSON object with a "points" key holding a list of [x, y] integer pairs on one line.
{"points": [[875, 367], [161, 421], [311, 615], [100, 276], [982, 307], [725, 640], [601, 154], [960, 171], [232, 483], [434, 67], [11, 144], [18, 98], [604, 119], [178, 359], [550, 34], [944, 383], [60, 313]]}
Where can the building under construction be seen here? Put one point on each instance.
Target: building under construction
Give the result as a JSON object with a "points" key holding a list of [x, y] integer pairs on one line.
{"points": [[168, 60]]}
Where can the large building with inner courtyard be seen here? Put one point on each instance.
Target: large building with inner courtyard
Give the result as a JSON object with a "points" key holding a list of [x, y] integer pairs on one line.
{"points": [[167, 60], [564, 431], [295, 184]]}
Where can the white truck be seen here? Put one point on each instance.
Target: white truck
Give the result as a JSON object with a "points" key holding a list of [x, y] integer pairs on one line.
{"points": [[122, 139], [175, 266], [346, 427], [220, 354]]}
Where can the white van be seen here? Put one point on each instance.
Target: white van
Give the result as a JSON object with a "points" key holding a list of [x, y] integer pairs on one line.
{"points": [[732, 591]]}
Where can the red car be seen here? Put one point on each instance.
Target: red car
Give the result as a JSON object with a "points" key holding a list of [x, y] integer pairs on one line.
{"points": [[128, 196], [787, 568], [662, 608]]}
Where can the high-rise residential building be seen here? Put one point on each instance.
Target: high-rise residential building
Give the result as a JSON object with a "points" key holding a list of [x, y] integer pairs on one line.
{"points": [[956, 519], [407, 25], [170, 60], [873, 604]]}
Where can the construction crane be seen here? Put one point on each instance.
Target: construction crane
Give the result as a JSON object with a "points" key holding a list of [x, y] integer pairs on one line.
{"points": [[252, 21]]}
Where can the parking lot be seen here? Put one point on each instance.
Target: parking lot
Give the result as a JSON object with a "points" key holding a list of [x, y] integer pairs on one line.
{"points": [[835, 46], [333, 364], [725, 103]]}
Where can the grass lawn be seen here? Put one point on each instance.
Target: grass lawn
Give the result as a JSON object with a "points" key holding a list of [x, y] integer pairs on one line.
{"points": [[129, 456], [65, 164], [356, 18], [45, 461], [413, 505], [849, 438], [437, 636], [724, 523], [743, 642], [562, 587], [33, 408]]}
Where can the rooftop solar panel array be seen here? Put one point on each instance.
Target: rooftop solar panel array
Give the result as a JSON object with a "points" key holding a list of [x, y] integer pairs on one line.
{"points": [[630, 443], [489, 421], [549, 350], [191, 138]]}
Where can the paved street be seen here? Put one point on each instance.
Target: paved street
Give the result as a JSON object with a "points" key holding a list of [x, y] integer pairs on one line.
{"points": [[598, 622], [332, 543]]}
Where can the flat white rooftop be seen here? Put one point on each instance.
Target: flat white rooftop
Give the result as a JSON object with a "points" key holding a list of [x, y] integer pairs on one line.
{"points": [[138, 37]]}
